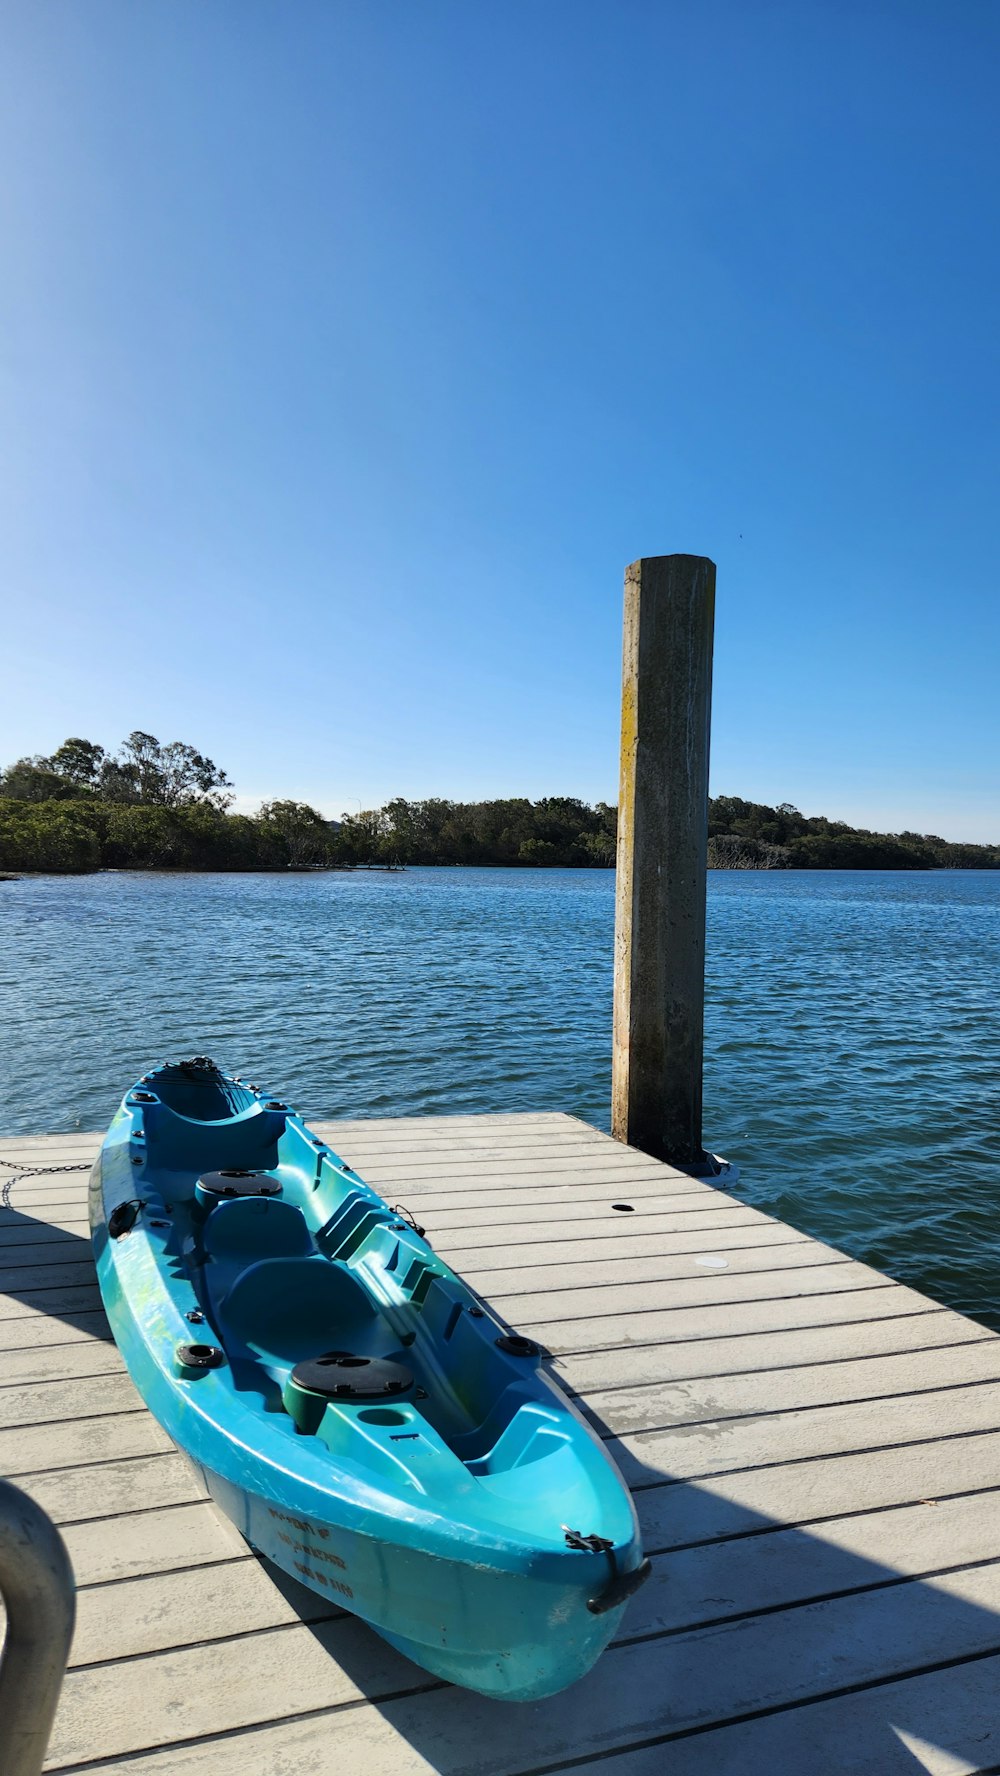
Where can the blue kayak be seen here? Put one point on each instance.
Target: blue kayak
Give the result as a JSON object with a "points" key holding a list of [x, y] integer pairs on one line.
{"points": [[366, 1421]]}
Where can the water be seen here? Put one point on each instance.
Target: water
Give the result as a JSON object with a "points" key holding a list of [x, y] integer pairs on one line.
{"points": [[853, 1023]]}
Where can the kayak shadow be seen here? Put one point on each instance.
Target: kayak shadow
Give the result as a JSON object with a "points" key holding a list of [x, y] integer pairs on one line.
{"points": [[781, 1629], [853, 1640], [45, 1270]]}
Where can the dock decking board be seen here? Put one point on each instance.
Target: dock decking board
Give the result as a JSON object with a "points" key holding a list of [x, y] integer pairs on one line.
{"points": [[814, 1451]]}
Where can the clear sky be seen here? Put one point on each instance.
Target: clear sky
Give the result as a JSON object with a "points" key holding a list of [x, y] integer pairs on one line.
{"points": [[348, 352]]}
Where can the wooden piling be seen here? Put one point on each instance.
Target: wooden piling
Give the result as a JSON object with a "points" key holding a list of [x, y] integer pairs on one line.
{"points": [[659, 985]]}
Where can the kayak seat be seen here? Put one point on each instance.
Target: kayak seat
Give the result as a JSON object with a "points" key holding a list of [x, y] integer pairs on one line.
{"points": [[286, 1309], [247, 1227], [242, 1230]]}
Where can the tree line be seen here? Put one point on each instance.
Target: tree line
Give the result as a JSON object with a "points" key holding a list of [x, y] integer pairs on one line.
{"points": [[750, 835], [156, 806]]}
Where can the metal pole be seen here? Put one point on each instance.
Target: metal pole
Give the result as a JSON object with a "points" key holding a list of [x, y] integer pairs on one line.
{"points": [[662, 842], [39, 1594]]}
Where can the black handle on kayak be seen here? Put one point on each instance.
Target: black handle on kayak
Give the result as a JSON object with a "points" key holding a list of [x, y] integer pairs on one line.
{"points": [[620, 1588]]}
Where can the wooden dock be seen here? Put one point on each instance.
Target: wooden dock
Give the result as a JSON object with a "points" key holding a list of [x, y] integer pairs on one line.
{"points": [[814, 1452]]}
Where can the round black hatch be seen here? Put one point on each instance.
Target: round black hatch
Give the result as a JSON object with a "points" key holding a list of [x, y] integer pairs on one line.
{"points": [[516, 1346], [200, 1356], [342, 1376], [238, 1183]]}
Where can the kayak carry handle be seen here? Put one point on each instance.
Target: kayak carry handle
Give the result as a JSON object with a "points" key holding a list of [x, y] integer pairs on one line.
{"points": [[122, 1219], [621, 1586]]}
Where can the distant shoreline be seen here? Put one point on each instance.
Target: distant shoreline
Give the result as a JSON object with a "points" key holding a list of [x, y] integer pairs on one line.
{"points": [[566, 869], [81, 833]]}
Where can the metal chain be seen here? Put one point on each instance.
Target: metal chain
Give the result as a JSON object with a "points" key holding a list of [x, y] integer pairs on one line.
{"points": [[79, 1165], [9, 1165]]}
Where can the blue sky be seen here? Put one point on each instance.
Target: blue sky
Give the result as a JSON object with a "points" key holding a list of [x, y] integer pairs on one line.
{"points": [[348, 352]]}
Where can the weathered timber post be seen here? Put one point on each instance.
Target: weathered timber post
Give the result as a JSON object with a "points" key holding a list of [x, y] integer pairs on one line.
{"points": [[659, 992]]}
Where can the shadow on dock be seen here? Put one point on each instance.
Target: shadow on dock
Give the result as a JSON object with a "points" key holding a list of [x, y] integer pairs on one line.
{"points": [[767, 1648], [50, 1272], [858, 1632]]}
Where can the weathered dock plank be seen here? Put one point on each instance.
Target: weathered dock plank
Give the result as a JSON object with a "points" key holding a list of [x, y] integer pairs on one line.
{"points": [[814, 1450]]}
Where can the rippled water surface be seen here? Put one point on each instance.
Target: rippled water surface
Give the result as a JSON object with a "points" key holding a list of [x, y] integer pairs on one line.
{"points": [[853, 1022]]}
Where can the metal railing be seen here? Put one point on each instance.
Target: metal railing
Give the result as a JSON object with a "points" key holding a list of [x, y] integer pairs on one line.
{"points": [[39, 1595]]}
